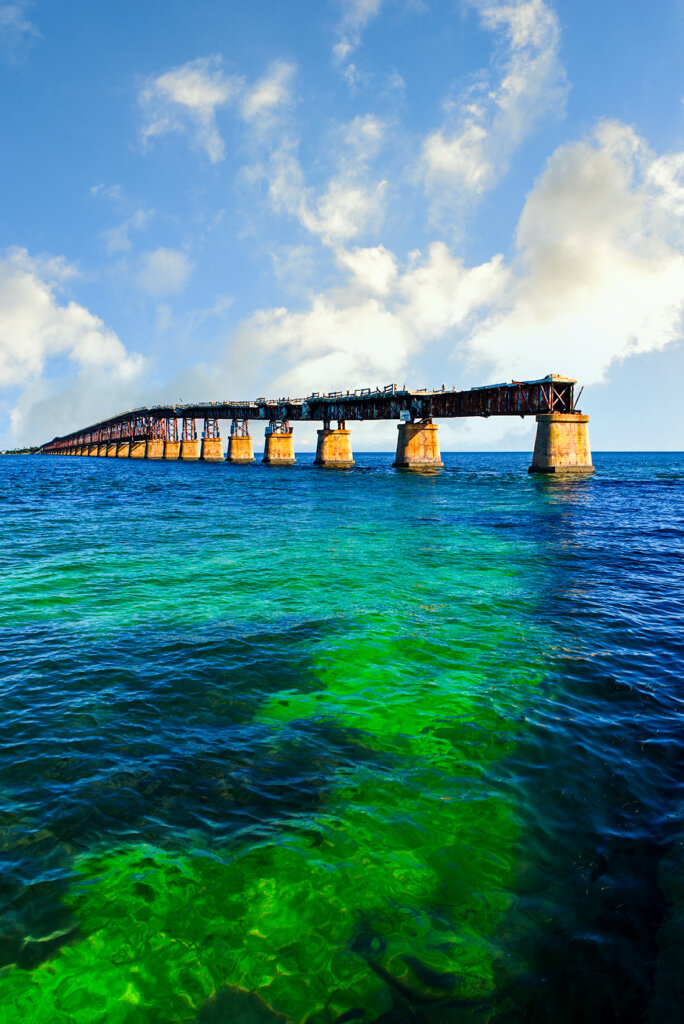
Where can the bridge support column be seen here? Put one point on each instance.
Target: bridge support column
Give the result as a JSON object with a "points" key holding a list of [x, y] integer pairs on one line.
{"points": [[333, 448], [190, 446], [137, 449], [93, 449], [279, 444], [123, 449], [102, 451], [111, 449], [171, 442], [155, 448], [240, 448], [418, 446], [562, 444], [212, 447], [190, 450]]}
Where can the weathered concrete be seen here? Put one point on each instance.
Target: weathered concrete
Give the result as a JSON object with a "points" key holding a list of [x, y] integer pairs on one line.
{"points": [[240, 448], [111, 449], [123, 449], [93, 449], [279, 449], [138, 449], [212, 449], [102, 451], [190, 450], [155, 449], [333, 449], [418, 446], [171, 449], [562, 444]]}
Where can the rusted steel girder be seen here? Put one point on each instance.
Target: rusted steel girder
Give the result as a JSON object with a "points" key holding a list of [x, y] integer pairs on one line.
{"points": [[519, 398]]}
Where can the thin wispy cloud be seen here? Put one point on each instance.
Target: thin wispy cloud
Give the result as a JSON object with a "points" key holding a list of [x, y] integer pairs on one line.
{"points": [[489, 119], [16, 30], [187, 100], [164, 271], [356, 15]]}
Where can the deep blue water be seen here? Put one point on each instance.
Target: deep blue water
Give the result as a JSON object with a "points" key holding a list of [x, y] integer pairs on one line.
{"points": [[341, 746]]}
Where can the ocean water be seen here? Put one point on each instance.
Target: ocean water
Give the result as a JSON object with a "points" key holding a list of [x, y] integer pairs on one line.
{"points": [[293, 745]]}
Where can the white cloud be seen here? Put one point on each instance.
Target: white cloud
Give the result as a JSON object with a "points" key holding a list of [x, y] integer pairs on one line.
{"points": [[185, 99], [598, 277], [487, 122], [273, 90], [117, 239], [376, 268], [164, 271], [351, 202], [369, 329], [600, 271], [15, 27], [36, 328], [356, 15]]}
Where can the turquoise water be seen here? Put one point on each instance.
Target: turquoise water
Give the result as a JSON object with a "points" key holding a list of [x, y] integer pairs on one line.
{"points": [[340, 746]]}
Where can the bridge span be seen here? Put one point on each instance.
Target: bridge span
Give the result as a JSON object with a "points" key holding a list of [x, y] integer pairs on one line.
{"points": [[562, 441]]}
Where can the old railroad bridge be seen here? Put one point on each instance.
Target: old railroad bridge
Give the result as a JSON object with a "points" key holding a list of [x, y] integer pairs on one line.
{"points": [[562, 441]]}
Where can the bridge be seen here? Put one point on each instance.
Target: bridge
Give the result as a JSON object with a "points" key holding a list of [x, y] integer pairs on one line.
{"points": [[562, 441]]}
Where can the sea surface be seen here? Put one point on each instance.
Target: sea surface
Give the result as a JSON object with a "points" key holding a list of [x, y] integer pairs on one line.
{"points": [[315, 747]]}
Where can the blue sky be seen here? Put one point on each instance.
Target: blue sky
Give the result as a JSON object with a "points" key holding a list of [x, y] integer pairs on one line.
{"points": [[223, 200]]}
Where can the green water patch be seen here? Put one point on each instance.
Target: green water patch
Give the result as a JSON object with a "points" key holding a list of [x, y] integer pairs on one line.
{"points": [[385, 898]]}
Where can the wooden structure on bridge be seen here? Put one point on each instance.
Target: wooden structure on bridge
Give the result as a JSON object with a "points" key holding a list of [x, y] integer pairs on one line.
{"points": [[562, 442]]}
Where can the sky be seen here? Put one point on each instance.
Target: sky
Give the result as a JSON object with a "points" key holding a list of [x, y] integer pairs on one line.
{"points": [[207, 200]]}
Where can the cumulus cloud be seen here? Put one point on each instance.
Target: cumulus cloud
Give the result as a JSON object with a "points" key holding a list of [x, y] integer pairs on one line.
{"points": [[164, 271], [600, 269], [370, 327], [597, 276], [37, 329], [489, 120]]}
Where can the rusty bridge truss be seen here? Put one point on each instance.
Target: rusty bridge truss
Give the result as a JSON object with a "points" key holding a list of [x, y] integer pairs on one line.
{"points": [[518, 398]]}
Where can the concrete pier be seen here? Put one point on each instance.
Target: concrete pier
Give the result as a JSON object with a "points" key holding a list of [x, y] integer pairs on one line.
{"points": [[212, 449], [137, 449], [279, 447], [240, 448], [93, 449], [123, 449], [562, 444], [171, 449], [155, 448], [102, 451], [418, 446], [190, 450], [111, 450], [333, 449]]}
